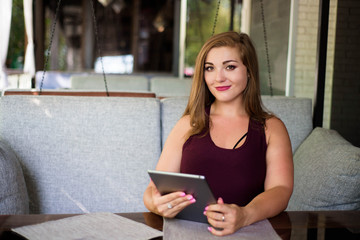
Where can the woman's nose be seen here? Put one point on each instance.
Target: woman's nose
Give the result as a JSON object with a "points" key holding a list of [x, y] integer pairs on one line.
{"points": [[220, 76]]}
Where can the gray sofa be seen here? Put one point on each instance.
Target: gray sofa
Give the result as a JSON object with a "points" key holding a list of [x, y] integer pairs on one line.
{"points": [[66, 154], [162, 86]]}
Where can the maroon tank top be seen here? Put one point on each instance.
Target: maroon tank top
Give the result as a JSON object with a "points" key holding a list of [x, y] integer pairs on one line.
{"points": [[236, 175]]}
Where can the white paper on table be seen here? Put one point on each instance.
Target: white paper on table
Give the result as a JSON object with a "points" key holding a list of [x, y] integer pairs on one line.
{"points": [[89, 226]]}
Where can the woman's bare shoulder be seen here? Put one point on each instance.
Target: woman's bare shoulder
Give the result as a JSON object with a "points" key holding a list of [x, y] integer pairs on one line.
{"points": [[185, 120], [183, 124], [181, 128], [275, 127], [274, 122], [170, 158]]}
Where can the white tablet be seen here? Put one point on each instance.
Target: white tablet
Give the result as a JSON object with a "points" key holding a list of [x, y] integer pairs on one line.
{"points": [[196, 185]]}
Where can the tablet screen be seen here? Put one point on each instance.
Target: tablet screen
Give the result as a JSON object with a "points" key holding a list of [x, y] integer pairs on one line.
{"points": [[195, 185]]}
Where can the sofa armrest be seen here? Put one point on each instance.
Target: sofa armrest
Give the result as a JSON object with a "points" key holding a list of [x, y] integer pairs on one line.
{"points": [[327, 173], [13, 193]]}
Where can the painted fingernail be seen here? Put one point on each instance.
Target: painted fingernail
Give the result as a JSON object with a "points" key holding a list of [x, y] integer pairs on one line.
{"points": [[206, 208], [209, 228], [204, 212], [182, 194], [193, 200], [190, 197]]}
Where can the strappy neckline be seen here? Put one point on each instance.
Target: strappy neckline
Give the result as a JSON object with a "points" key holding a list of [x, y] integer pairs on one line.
{"points": [[240, 139], [231, 149]]}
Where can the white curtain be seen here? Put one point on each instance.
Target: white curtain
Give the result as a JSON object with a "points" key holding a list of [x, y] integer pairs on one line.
{"points": [[29, 63], [5, 23]]}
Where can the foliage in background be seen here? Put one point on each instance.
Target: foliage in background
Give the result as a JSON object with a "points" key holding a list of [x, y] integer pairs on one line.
{"points": [[16, 50], [61, 50], [200, 22]]}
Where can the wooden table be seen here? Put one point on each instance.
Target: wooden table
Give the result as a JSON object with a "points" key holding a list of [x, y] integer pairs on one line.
{"points": [[289, 225]]}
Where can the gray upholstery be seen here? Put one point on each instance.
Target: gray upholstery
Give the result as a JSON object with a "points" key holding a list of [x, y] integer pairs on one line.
{"points": [[327, 173], [294, 112], [114, 82], [91, 154], [13, 193], [170, 86], [171, 111], [83, 154]]}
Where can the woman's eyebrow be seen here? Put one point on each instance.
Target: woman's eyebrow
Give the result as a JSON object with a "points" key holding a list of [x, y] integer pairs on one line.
{"points": [[228, 61], [224, 62]]}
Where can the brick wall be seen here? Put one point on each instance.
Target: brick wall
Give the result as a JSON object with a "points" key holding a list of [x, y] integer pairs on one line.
{"points": [[306, 47], [306, 42], [342, 86]]}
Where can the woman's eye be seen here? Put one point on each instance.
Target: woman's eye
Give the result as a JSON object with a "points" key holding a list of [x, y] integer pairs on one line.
{"points": [[230, 67], [208, 68]]}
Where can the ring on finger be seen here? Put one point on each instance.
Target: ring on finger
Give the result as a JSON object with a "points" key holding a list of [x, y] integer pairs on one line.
{"points": [[169, 206], [223, 218]]}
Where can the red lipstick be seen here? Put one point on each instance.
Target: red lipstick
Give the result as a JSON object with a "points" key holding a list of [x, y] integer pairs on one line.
{"points": [[223, 88]]}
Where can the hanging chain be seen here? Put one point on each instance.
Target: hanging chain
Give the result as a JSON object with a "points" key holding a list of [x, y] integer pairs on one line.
{"points": [[216, 16], [52, 37], [48, 51], [266, 47], [98, 46]]}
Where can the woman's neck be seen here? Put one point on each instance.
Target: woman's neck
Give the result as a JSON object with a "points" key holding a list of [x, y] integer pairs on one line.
{"points": [[228, 109]]}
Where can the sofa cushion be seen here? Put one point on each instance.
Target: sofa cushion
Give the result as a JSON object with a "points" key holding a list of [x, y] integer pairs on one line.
{"points": [[83, 154], [171, 111], [115, 82], [296, 113], [327, 173], [13, 193], [170, 86]]}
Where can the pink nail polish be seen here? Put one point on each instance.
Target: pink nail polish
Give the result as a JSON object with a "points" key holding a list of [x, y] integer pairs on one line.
{"points": [[209, 228], [182, 194], [190, 197], [193, 200], [204, 212], [206, 208]]}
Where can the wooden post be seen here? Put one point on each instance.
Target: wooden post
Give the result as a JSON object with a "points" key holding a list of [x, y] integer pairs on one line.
{"points": [[321, 63], [87, 37], [39, 36], [135, 34], [232, 11]]}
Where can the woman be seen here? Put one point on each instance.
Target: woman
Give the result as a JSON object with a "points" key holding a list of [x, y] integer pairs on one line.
{"points": [[225, 135]]}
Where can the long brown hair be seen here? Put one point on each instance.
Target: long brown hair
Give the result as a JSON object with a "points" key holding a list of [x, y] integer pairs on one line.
{"points": [[200, 95]]}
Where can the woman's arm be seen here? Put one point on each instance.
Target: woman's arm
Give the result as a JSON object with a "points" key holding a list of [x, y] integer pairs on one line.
{"points": [[170, 160], [278, 186], [279, 179]]}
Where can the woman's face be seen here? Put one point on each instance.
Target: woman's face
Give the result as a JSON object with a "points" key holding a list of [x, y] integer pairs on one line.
{"points": [[225, 74]]}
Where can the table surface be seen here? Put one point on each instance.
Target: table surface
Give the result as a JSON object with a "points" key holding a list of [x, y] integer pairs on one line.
{"points": [[289, 225]]}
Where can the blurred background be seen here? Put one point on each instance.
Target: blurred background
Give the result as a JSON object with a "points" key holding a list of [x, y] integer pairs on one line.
{"points": [[162, 38]]}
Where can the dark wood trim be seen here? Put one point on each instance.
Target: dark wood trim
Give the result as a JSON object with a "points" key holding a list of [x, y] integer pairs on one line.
{"points": [[81, 93], [39, 36], [288, 225], [135, 34], [324, 6]]}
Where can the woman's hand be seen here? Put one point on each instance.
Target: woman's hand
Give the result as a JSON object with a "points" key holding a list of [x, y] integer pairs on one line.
{"points": [[171, 204], [225, 218]]}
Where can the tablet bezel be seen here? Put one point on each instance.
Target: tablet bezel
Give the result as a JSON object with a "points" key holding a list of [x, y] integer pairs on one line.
{"points": [[196, 185]]}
